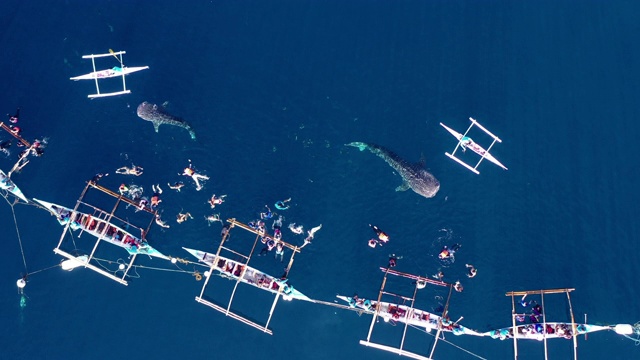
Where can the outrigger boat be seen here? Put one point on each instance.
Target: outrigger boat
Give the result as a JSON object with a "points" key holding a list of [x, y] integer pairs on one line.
{"points": [[404, 314], [99, 223], [248, 275], [242, 273], [466, 142], [109, 73], [407, 314], [542, 330], [101, 229], [9, 186]]}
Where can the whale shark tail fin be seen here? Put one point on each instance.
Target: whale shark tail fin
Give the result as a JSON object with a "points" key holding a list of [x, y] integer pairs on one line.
{"points": [[360, 145]]}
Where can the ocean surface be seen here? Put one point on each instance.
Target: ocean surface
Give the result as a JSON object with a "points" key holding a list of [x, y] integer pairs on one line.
{"points": [[273, 90]]}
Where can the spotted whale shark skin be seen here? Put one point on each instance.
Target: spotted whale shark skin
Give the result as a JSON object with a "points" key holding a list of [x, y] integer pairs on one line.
{"points": [[414, 176], [157, 115]]}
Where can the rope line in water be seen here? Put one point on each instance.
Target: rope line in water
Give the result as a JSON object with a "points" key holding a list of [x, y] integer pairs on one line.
{"points": [[15, 221]]}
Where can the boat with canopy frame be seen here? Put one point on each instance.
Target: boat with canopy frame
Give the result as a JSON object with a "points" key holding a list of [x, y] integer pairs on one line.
{"points": [[240, 269], [379, 310], [100, 224]]}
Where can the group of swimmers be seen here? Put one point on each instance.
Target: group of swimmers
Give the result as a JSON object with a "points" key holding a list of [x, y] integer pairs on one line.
{"points": [[34, 149], [135, 193]]}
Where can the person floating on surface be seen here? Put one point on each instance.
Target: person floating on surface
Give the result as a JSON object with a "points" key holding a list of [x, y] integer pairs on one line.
{"points": [[381, 234], [267, 214], [472, 270], [191, 172], [310, 235], [216, 201], [282, 205], [133, 170], [176, 186]]}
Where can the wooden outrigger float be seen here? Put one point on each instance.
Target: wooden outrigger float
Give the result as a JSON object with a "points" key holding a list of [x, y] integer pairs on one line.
{"points": [[99, 224], [408, 312], [239, 273]]}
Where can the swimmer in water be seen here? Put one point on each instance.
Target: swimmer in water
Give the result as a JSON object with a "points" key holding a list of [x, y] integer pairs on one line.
{"points": [[160, 222], [458, 287], [14, 119], [472, 270], [176, 186], [282, 205], [180, 218], [296, 229], [213, 218], [133, 170], [123, 189], [216, 201], [267, 214], [191, 172], [310, 234], [155, 198], [381, 234]]}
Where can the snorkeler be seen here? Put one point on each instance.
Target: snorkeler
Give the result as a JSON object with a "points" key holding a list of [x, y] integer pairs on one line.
{"points": [[160, 222], [213, 218], [447, 253], [155, 198], [191, 172], [282, 205], [216, 201], [123, 189], [472, 270], [133, 170], [14, 119], [381, 234], [176, 186], [267, 214], [296, 229], [180, 218], [310, 235]]}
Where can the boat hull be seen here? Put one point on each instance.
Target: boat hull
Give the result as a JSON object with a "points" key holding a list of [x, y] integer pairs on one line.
{"points": [[550, 330], [8, 185], [248, 275], [108, 73], [408, 315], [101, 229]]}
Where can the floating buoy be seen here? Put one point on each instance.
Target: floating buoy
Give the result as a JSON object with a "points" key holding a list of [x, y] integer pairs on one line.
{"points": [[207, 273], [121, 267], [623, 329], [174, 260], [21, 283]]}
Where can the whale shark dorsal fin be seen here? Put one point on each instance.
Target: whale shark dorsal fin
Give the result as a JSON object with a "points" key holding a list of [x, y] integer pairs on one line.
{"points": [[403, 187], [156, 125]]}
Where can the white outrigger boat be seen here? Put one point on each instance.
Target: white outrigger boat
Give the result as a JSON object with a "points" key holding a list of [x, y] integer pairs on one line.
{"points": [[101, 229], [248, 275], [551, 330], [466, 142], [407, 315], [109, 73], [9, 186], [241, 272]]}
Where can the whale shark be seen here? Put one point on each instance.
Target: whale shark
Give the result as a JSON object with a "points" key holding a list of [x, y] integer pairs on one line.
{"points": [[158, 116], [414, 176]]}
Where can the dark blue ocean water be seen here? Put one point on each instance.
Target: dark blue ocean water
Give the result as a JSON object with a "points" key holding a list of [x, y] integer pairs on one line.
{"points": [[273, 91]]}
